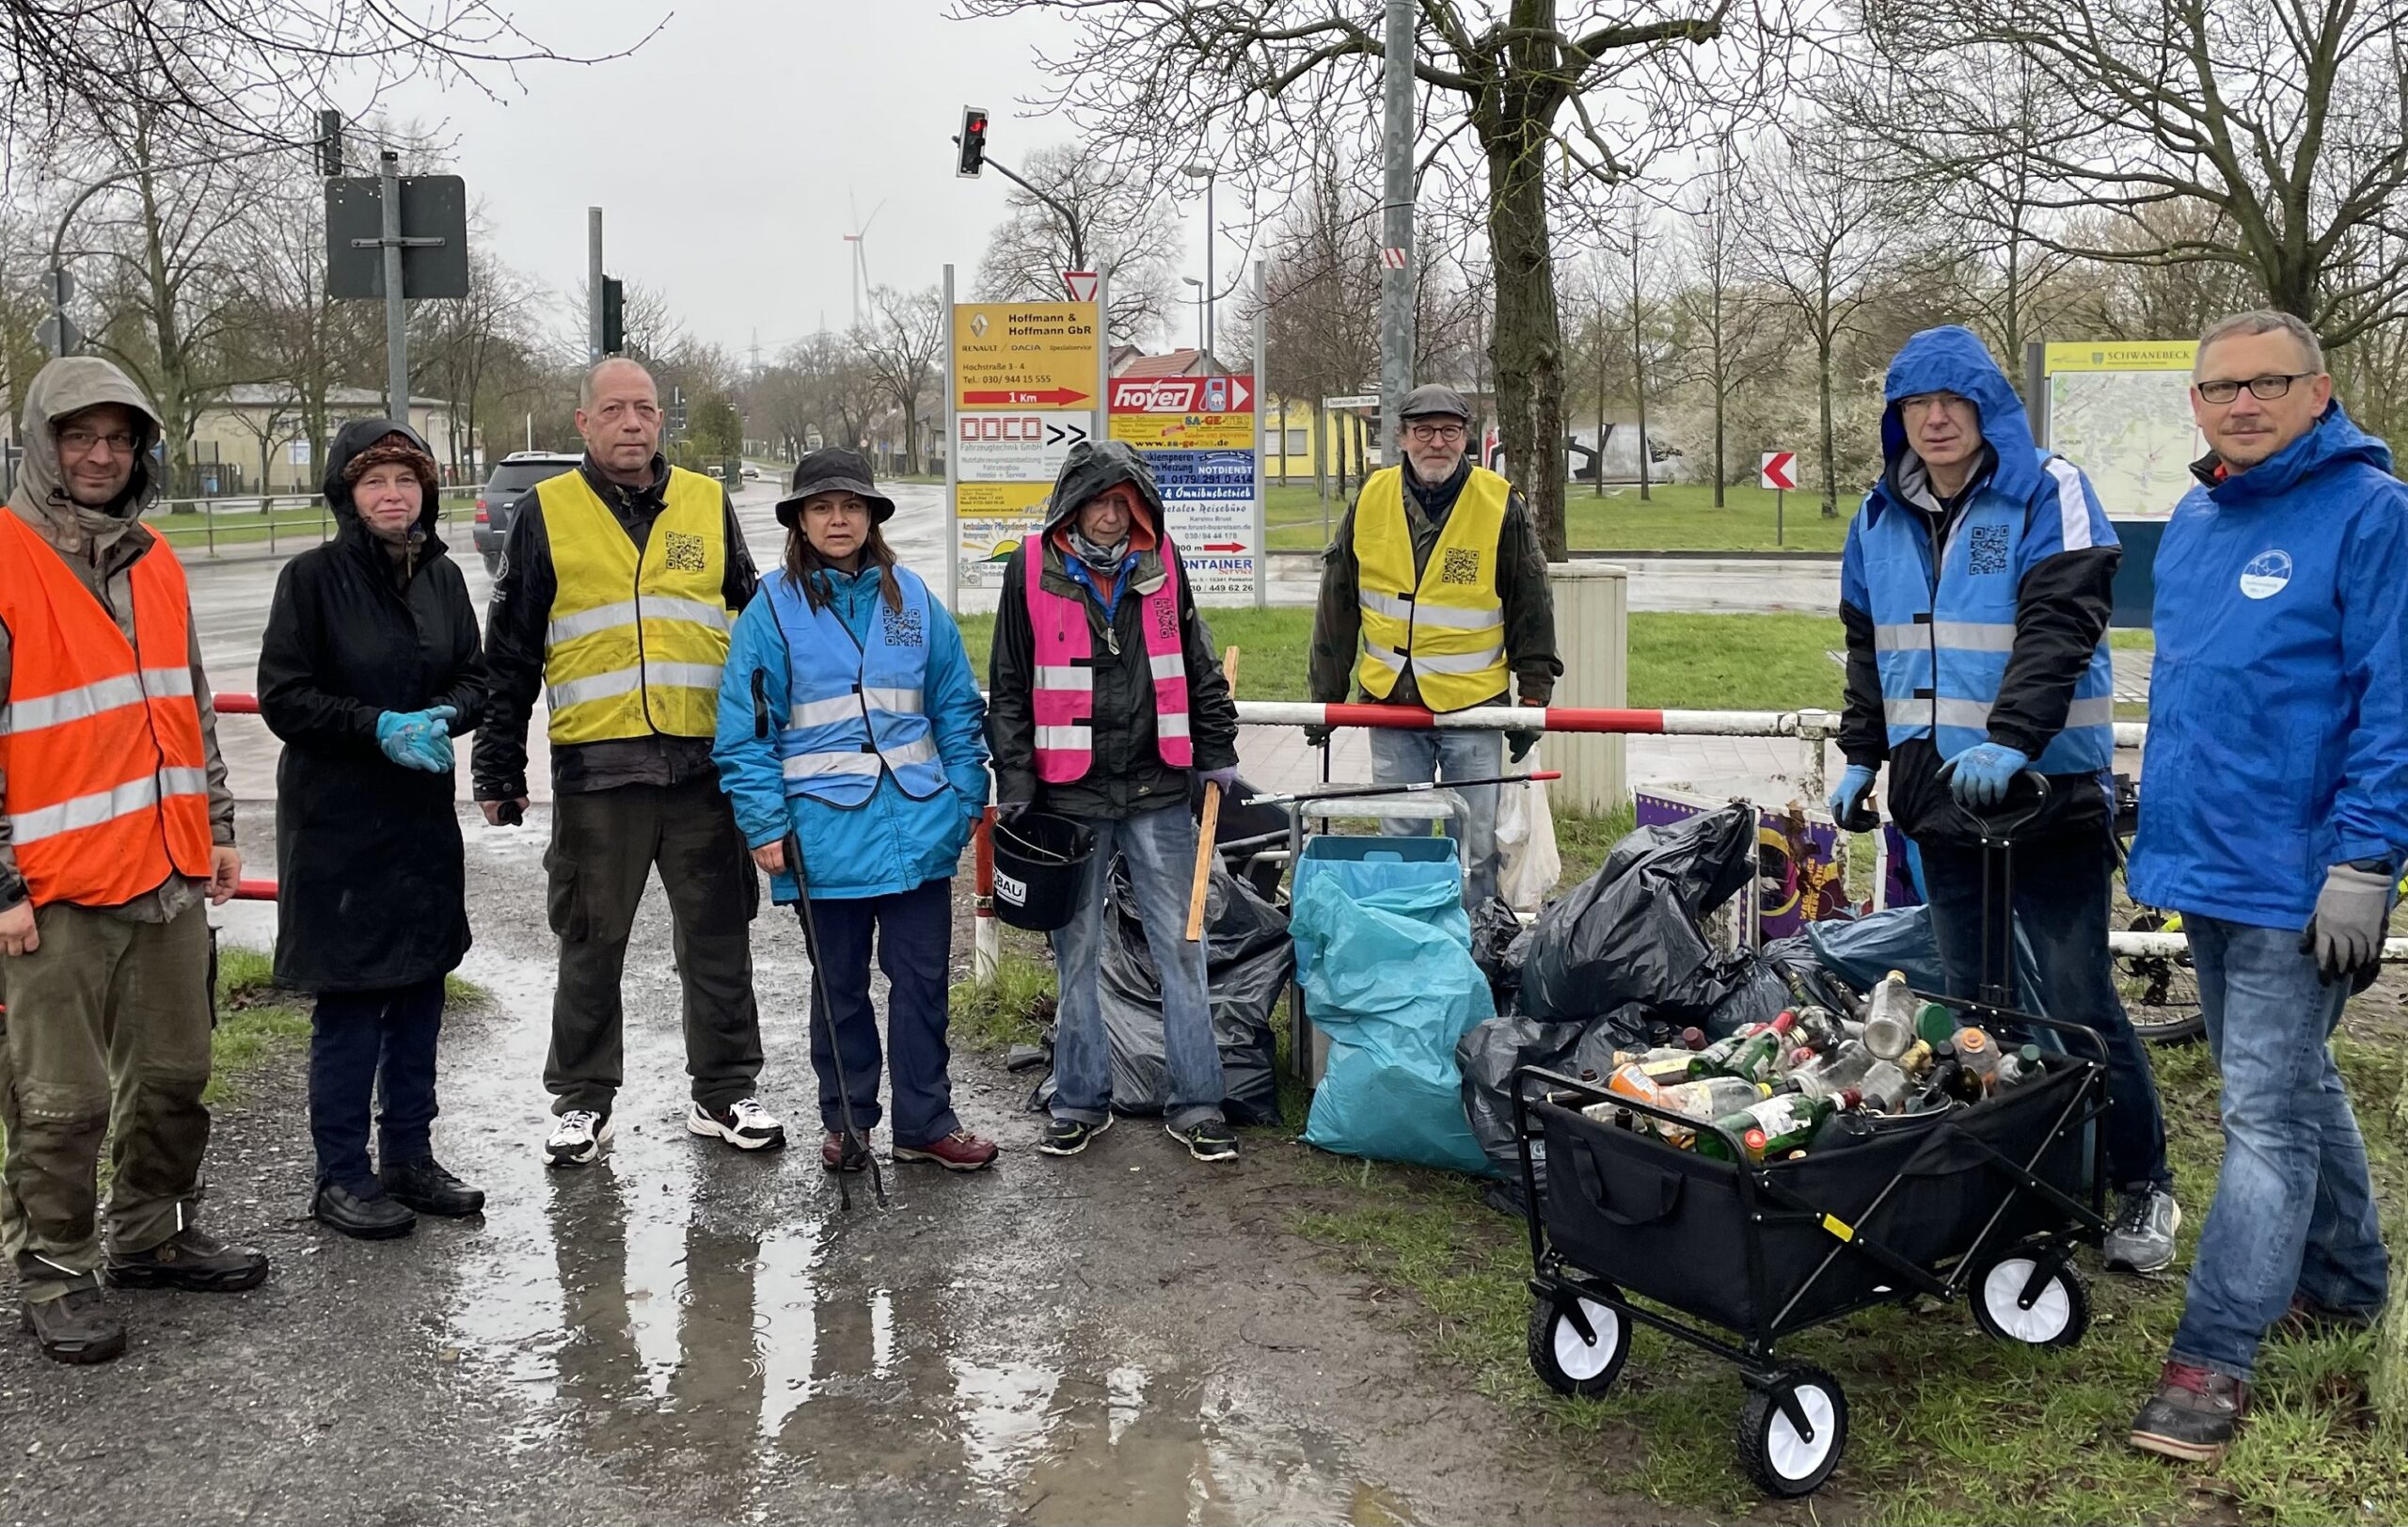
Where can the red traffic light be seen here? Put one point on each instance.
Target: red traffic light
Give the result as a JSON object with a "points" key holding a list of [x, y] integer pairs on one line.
{"points": [[972, 142]]}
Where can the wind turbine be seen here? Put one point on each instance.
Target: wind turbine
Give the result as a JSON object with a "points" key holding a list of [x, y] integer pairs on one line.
{"points": [[861, 252]]}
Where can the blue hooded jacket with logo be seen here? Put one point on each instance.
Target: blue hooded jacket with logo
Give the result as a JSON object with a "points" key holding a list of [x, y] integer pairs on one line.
{"points": [[1980, 618], [2278, 705]]}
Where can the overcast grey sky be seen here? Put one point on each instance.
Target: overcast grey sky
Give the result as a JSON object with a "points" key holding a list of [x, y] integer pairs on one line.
{"points": [[724, 151]]}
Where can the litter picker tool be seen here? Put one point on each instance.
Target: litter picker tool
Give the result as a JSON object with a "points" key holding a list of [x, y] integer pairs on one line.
{"points": [[1202, 883], [848, 1134], [1348, 792]]}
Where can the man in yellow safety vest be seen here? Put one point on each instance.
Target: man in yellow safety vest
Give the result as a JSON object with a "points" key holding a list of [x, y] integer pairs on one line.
{"points": [[1433, 593], [618, 586]]}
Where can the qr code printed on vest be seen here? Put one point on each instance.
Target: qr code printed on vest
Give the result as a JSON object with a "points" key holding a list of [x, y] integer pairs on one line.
{"points": [[1461, 567], [1989, 549], [684, 553], [903, 629]]}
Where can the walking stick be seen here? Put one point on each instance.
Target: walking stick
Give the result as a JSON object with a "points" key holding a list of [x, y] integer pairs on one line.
{"points": [[1204, 848]]}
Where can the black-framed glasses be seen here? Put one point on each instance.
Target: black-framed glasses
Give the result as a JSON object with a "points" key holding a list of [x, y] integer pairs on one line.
{"points": [[1426, 433], [2264, 389]]}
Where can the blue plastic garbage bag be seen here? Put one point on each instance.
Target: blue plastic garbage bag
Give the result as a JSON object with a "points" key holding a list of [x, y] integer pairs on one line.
{"points": [[1388, 975], [1862, 950]]}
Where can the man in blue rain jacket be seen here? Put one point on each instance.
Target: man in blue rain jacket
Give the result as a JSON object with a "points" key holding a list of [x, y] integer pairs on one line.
{"points": [[1976, 591], [2275, 818]]}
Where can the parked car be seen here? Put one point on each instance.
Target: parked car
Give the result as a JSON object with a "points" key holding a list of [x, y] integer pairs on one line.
{"points": [[752, 473], [498, 501]]}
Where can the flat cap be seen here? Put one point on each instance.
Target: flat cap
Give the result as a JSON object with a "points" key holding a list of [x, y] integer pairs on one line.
{"points": [[1433, 398]]}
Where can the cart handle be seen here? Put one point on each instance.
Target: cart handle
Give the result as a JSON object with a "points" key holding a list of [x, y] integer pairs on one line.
{"points": [[1738, 1152], [2001, 824]]}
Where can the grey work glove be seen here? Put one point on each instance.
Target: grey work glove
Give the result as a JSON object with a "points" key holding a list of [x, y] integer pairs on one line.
{"points": [[2346, 932]]}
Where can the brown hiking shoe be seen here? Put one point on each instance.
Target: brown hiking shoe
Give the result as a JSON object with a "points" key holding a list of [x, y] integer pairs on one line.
{"points": [[957, 1152], [191, 1260], [836, 1154], [75, 1329], [2193, 1415]]}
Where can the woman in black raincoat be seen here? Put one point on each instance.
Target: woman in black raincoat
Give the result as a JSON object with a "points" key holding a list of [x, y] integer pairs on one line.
{"points": [[370, 666]]}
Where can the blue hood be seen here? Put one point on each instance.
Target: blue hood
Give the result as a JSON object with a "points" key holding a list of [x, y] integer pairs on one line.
{"points": [[1952, 358], [2336, 441]]}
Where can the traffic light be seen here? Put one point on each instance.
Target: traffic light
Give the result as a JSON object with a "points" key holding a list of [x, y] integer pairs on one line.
{"points": [[973, 141], [330, 144], [614, 316]]}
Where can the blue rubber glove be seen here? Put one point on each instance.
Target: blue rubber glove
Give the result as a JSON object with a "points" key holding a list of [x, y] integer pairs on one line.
{"points": [[418, 740], [431, 749], [1979, 775], [1851, 788], [1226, 778], [396, 736]]}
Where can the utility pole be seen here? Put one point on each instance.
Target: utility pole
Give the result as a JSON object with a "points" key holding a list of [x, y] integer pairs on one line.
{"points": [[594, 286], [397, 308], [1396, 272]]}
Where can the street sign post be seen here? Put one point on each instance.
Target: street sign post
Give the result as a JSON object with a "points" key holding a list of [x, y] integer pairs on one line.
{"points": [[1080, 284], [1026, 379], [1201, 436], [1778, 472], [392, 238]]}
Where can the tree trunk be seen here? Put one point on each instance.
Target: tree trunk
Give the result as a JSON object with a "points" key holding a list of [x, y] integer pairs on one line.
{"points": [[1721, 390], [1823, 386], [1637, 376], [1526, 351], [1597, 487]]}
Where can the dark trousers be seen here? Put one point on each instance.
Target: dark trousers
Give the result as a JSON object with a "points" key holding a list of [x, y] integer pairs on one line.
{"points": [[2064, 891], [372, 1047], [604, 846], [914, 935]]}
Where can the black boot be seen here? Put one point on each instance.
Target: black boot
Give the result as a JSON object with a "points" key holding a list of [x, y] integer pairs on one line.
{"points": [[424, 1185], [75, 1329], [366, 1216], [191, 1260]]}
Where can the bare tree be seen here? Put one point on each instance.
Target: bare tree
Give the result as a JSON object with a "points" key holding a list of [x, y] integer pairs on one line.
{"points": [[467, 339], [1593, 84], [901, 343], [1127, 232], [1719, 316], [2286, 123], [1823, 227], [285, 331]]}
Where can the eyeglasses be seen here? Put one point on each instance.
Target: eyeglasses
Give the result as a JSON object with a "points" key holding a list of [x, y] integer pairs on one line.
{"points": [[82, 442], [1934, 402], [2262, 388], [1431, 434]]}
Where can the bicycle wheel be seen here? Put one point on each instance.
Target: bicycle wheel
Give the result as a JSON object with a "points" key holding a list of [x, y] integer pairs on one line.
{"points": [[2161, 991]]}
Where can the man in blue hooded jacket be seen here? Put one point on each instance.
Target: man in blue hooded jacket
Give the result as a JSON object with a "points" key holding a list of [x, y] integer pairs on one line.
{"points": [[2275, 818], [1976, 591]]}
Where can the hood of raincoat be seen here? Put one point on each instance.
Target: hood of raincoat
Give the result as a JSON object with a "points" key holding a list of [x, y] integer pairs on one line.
{"points": [[69, 385], [1089, 469], [2332, 442], [350, 441], [1952, 358]]}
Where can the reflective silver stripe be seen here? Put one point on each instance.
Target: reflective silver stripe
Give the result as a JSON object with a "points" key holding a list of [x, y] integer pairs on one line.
{"points": [[826, 713], [1062, 739], [1975, 716], [603, 617], [894, 702], [88, 700], [1052, 677], [1382, 656], [921, 750], [690, 675], [106, 805], [2073, 505], [1436, 614], [1173, 725], [821, 765], [1961, 635], [1167, 665], [1469, 663]]}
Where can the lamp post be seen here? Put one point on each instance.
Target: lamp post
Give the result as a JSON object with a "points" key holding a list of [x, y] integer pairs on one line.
{"points": [[1208, 175], [1203, 336]]}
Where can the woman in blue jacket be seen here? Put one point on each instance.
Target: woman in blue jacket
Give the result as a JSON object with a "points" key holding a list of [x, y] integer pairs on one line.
{"points": [[850, 729]]}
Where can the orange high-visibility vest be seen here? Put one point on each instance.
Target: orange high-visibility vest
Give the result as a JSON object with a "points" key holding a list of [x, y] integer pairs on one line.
{"points": [[108, 785]]}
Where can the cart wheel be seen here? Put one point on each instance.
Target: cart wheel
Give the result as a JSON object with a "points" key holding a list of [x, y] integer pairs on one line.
{"points": [[1570, 1364], [1776, 1449], [2033, 1297]]}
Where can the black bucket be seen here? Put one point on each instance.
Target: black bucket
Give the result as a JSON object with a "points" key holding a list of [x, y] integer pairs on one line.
{"points": [[1038, 860]]}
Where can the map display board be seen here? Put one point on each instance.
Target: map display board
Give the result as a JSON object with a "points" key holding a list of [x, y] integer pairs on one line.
{"points": [[2121, 412], [1197, 433]]}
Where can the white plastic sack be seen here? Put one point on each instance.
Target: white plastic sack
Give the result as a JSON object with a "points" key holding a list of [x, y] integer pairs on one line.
{"points": [[1528, 865]]}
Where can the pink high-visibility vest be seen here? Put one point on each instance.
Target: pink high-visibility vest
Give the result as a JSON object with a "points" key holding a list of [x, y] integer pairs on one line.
{"points": [[1066, 672]]}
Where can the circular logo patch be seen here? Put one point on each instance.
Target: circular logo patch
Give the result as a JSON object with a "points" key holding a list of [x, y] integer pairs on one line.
{"points": [[2266, 575]]}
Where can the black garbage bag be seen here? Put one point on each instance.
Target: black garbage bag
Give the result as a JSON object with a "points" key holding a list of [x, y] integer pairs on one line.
{"points": [[1489, 1052], [1630, 932], [1250, 963], [1495, 929]]}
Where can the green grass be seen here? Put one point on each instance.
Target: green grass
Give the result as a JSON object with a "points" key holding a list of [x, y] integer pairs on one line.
{"points": [[1710, 662], [1678, 516]]}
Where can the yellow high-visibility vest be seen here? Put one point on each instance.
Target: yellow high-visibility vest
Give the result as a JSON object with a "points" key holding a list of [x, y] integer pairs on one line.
{"points": [[1450, 622], [635, 645]]}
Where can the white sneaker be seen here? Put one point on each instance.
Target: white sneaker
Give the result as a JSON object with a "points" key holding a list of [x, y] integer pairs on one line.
{"points": [[743, 1123], [577, 1138]]}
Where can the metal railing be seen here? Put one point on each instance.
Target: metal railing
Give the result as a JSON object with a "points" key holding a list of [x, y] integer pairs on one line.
{"points": [[281, 521]]}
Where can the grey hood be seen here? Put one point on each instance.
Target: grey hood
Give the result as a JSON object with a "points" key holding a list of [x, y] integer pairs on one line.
{"points": [[1089, 469], [66, 385]]}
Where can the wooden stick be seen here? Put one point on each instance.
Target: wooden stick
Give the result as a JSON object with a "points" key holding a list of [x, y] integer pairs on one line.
{"points": [[1211, 825]]}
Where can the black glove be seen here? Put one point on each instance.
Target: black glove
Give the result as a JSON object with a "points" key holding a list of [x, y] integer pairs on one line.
{"points": [[1009, 810], [1317, 737], [1519, 742]]}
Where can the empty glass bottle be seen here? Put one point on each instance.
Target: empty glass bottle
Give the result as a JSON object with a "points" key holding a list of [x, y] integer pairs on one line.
{"points": [[1889, 1019]]}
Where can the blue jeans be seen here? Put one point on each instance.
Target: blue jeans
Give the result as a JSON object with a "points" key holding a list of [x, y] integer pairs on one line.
{"points": [[2063, 893], [369, 1048], [1160, 847], [1445, 753], [2294, 1210], [914, 932]]}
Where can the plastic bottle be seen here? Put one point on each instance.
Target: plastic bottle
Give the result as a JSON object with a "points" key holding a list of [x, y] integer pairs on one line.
{"points": [[1978, 1054], [1889, 1018]]}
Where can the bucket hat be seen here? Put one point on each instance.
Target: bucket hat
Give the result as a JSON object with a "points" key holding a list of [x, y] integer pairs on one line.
{"points": [[835, 469]]}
